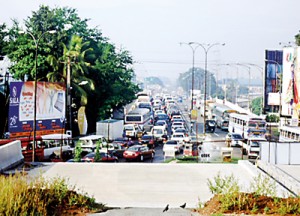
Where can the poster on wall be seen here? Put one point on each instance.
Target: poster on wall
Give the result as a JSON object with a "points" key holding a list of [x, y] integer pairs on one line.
{"points": [[50, 108]]}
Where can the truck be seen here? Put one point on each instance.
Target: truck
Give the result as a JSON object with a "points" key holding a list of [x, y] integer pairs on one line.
{"points": [[110, 128]]}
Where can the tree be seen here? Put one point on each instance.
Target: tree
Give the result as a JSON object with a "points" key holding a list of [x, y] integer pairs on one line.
{"points": [[78, 152], [256, 106], [97, 157]]}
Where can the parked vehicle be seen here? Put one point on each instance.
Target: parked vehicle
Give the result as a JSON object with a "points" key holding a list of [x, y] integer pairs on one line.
{"points": [[138, 152], [177, 125], [117, 150], [90, 157], [110, 128]]}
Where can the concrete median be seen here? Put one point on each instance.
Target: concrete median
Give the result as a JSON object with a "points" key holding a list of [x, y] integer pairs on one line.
{"points": [[10, 155]]}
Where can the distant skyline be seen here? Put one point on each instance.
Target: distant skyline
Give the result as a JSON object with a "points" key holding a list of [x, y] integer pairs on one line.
{"points": [[151, 30]]}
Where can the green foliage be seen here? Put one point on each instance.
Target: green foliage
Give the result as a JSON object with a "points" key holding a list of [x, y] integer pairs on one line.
{"points": [[92, 58], [272, 118], [223, 185], [78, 152], [256, 106], [40, 196], [97, 154], [263, 185]]}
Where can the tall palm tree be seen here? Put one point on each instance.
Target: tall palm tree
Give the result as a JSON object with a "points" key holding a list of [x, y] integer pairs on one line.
{"points": [[73, 59]]}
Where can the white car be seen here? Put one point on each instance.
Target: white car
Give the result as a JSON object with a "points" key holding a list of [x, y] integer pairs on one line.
{"points": [[173, 144], [158, 132], [234, 139], [178, 137], [176, 125]]}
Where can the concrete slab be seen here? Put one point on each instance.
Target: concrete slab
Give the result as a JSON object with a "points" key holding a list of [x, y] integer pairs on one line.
{"points": [[146, 185]]}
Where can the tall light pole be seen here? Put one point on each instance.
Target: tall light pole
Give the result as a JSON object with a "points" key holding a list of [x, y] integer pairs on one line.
{"points": [[193, 46], [262, 77], [206, 48], [36, 42], [249, 71]]}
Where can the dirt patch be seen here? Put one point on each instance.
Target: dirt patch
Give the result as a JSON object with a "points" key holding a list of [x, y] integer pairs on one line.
{"points": [[251, 204]]}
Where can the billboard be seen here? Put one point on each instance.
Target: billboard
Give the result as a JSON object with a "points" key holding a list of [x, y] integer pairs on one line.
{"points": [[50, 108], [290, 82], [273, 74]]}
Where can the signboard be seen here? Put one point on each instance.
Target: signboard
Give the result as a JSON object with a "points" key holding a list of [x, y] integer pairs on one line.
{"points": [[273, 75], [49, 106], [194, 114], [274, 99]]}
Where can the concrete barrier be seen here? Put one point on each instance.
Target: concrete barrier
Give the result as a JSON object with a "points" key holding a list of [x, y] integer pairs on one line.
{"points": [[10, 155]]}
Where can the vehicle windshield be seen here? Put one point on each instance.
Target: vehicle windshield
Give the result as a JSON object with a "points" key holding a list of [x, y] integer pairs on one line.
{"points": [[237, 136], [128, 127], [171, 142], [178, 136], [255, 144], [134, 148], [146, 137], [158, 131]]}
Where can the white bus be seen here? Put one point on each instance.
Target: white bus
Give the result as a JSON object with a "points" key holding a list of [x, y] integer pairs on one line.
{"points": [[248, 126], [140, 116], [289, 134], [221, 114]]}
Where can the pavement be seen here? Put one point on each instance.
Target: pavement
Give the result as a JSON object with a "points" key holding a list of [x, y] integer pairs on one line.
{"points": [[148, 186]]}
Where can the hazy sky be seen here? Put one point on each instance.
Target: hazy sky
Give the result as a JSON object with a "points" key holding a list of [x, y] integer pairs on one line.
{"points": [[152, 29]]}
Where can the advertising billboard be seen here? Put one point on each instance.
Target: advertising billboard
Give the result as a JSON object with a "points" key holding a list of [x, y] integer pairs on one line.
{"points": [[273, 75], [50, 108], [289, 82]]}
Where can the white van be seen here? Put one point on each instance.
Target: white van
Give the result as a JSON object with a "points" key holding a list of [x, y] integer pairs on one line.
{"points": [[89, 143], [252, 147], [158, 132], [55, 143]]}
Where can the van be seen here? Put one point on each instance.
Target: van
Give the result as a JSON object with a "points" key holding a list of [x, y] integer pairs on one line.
{"points": [[252, 148], [159, 133], [89, 143]]}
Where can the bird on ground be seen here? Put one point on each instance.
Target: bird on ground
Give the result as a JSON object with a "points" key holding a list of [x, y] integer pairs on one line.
{"points": [[183, 206], [166, 208]]}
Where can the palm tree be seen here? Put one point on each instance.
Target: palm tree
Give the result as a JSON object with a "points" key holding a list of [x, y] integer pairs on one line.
{"points": [[73, 59]]}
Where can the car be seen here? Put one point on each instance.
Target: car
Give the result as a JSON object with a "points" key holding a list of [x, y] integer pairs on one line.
{"points": [[176, 117], [138, 152], [178, 137], [118, 150], [181, 130], [122, 140], [173, 144], [90, 157], [148, 140], [210, 125], [158, 132], [162, 123], [234, 139], [162, 116], [176, 125]]}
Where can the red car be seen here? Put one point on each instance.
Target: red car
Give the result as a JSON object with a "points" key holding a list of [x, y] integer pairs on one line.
{"points": [[138, 152], [104, 157]]}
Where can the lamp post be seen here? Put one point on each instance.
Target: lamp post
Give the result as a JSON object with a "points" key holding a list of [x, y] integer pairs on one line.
{"points": [[262, 77], [249, 71], [36, 42], [206, 48], [193, 46]]}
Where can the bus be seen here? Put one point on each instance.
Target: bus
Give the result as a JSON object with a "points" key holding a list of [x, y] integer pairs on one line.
{"points": [[140, 116], [289, 134], [248, 126], [221, 114]]}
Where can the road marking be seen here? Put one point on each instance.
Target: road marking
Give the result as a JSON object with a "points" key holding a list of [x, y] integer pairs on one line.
{"points": [[216, 134]]}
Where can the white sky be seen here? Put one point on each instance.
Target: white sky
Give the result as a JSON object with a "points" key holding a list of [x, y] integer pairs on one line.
{"points": [[152, 29]]}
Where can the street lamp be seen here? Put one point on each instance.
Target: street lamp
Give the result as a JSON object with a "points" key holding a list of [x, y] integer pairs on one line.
{"points": [[206, 48], [36, 42], [249, 71], [193, 46]]}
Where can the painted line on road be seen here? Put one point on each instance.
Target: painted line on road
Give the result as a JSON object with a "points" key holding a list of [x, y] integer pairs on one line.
{"points": [[216, 134]]}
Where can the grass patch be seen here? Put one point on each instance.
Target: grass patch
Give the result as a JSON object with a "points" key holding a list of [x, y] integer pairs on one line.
{"points": [[40, 196], [228, 198]]}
